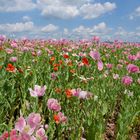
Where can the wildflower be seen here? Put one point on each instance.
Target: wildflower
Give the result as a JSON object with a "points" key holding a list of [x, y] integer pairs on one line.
{"points": [[60, 118], [68, 93], [53, 104], [39, 52], [34, 120], [127, 80], [27, 128], [132, 57], [115, 76], [100, 65], [9, 51], [40, 134], [56, 118], [84, 94], [52, 58], [10, 68], [95, 55], [55, 68], [109, 66], [132, 68], [5, 135], [37, 91], [81, 94], [53, 76], [13, 59], [66, 56], [23, 127], [85, 61]]}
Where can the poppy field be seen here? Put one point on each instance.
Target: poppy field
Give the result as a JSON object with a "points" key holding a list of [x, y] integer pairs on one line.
{"points": [[69, 90]]}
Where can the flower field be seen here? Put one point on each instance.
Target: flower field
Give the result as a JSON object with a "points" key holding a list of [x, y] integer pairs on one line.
{"points": [[69, 90]]}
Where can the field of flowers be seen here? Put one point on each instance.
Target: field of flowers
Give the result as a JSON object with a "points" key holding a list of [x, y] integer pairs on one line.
{"points": [[69, 90]]}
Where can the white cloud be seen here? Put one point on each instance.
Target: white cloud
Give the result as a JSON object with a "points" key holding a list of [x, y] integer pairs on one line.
{"points": [[17, 27], [49, 28], [100, 29], [65, 9], [135, 14], [63, 12], [66, 31], [26, 18], [16, 5], [90, 11], [123, 34]]}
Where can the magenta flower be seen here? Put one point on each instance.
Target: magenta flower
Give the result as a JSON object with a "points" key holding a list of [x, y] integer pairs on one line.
{"points": [[53, 104], [100, 65], [109, 66], [84, 95], [76, 92], [63, 119], [132, 57], [34, 120], [13, 59], [80, 93], [27, 129], [53, 76], [14, 44], [37, 91], [40, 134], [9, 51], [95, 55], [132, 68], [23, 127], [127, 80], [2, 37], [115, 76]]}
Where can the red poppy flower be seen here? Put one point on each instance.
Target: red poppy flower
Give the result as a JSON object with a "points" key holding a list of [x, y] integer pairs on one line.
{"points": [[55, 68], [68, 93], [65, 56], [85, 61], [52, 58], [10, 68], [56, 118]]}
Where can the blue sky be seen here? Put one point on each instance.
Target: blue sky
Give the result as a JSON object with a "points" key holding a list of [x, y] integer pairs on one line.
{"points": [[75, 19]]}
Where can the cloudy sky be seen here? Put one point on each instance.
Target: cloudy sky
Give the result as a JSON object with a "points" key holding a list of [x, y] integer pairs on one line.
{"points": [[72, 19]]}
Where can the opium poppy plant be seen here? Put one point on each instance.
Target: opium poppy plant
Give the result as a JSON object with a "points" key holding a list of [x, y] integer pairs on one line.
{"points": [[66, 56], [85, 61], [10, 68]]}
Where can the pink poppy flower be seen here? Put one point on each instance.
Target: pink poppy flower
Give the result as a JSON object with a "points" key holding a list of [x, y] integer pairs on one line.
{"points": [[132, 68], [53, 104], [100, 65], [37, 91], [34, 120], [95, 55], [13, 59], [109, 66], [127, 80], [40, 134]]}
